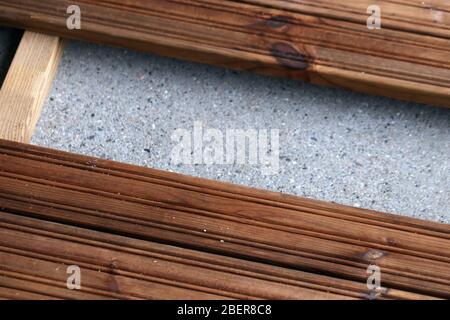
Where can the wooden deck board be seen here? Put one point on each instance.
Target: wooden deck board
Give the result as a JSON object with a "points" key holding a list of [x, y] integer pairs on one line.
{"points": [[27, 84], [118, 267], [289, 240], [324, 42]]}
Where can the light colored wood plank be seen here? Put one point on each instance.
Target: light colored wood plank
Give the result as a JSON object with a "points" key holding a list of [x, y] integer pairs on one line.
{"points": [[27, 85]]}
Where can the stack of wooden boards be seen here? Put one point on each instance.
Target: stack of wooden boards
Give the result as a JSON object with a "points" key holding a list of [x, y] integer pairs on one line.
{"points": [[139, 233], [144, 233], [322, 41]]}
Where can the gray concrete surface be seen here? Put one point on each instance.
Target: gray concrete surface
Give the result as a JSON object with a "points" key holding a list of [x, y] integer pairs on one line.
{"points": [[335, 145]]}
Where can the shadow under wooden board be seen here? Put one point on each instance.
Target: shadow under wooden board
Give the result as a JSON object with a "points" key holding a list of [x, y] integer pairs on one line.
{"points": [[324, 42], [129, 221]]}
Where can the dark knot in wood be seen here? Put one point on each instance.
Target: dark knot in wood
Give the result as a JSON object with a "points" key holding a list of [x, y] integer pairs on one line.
{"points": [[288, 56]]}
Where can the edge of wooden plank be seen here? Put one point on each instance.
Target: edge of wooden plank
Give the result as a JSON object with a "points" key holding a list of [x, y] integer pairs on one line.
{"points": [[27, 84]]}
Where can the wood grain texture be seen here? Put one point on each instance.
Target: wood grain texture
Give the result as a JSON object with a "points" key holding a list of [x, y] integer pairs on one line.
{"points": [[323, 241], [117, 267], [429, 18], [27, 83], [324, 42]]}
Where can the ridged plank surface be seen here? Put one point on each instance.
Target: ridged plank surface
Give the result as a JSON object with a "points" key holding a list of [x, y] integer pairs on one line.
{"points": [[254, 225], [325, 42], [34, 256]]}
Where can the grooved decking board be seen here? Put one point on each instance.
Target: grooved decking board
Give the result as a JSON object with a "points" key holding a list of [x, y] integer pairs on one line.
{"points": [[422, 17], [37, 253], [323, 241], [27, 84], [325, 42]]}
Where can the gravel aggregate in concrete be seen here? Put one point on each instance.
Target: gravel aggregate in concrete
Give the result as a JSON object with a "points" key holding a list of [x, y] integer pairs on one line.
{"points": [[335, 145]]}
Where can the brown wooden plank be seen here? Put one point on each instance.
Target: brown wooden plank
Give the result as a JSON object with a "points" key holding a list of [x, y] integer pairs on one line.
{"points": [[325, 42], [16, 294], [239, 222], [118, 267], [430, 17], [27, 83]]}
